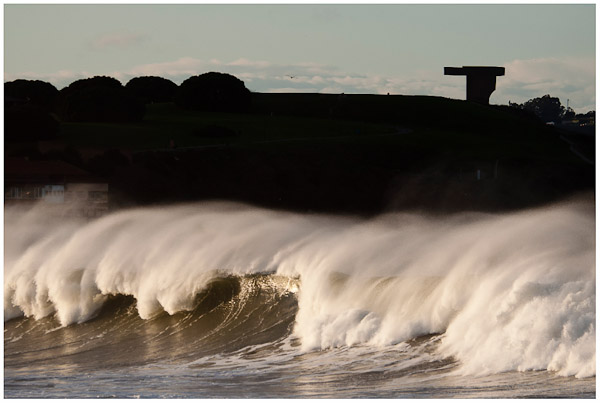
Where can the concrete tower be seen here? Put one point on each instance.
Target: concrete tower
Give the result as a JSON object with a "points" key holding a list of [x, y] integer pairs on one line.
{"points": [[481, 81]]}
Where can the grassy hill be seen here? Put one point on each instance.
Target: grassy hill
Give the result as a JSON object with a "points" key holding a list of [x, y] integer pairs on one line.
{"points": [[338, 153], [437, 124]]}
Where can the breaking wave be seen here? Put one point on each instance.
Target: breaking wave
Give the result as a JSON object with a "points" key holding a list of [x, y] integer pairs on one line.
{"points": [[503, 292]]}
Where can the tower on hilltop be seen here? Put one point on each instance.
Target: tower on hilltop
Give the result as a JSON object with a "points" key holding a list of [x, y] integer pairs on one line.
{"points": [[481, 81]]}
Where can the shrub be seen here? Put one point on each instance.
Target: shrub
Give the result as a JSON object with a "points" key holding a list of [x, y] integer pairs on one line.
{"points": [[98, 99], [35, 92], [212, 91], [152, 89]]}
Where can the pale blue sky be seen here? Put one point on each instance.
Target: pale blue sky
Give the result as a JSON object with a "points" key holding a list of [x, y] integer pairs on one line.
{"points": [[327, 48]]}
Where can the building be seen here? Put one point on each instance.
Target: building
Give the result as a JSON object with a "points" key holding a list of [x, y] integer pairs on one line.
{"points": [[61, 187]]}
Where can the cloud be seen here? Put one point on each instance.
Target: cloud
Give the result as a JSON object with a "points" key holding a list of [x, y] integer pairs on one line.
{"points": [[290, 89], [250, 63], [258, 75], [568, 78], [572, 79], [182, 66], [119, 40]]}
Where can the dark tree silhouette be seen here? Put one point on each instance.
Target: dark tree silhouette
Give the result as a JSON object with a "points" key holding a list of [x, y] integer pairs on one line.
{"points": [[34, 92], [27, 104], [98, 99], [96, 81], [547, 108], [152, 89], [569, 113], [214, 92]]}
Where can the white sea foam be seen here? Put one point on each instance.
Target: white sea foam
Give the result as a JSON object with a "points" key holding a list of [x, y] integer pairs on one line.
{"points": [[508, 292]]}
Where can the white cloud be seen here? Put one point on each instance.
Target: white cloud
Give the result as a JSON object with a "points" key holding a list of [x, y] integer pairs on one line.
{"points": [[331, 90], [569, 78], [120, 40], [249, 63], [182, 66], [290, 89]]}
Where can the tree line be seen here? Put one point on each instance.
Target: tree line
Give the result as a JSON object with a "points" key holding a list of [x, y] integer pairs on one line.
{"points": [[549, 109], [34, 109]]}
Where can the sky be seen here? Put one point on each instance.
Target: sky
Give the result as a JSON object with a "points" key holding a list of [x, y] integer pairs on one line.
{"points": [[329, 48]]}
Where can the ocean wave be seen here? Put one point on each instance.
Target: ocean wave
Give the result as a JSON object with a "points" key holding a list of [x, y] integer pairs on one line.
{"points": [[506, 292]]}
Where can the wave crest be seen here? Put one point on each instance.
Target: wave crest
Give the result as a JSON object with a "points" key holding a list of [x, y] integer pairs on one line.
{"points": [[508, 292]]}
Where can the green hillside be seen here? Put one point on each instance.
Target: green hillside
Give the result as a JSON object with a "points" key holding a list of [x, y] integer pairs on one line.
{"points": [[335, 153]]}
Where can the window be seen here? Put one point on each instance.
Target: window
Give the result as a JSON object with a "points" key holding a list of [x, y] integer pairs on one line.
{"points": [[11, 193], [54, 194], [24, 193]]}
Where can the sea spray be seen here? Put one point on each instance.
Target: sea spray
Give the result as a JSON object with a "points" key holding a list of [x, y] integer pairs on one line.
{"points": [[511, 292], [507, 292]]}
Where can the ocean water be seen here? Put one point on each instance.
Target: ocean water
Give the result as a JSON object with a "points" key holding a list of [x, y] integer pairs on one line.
{"points": [[232, 301]]}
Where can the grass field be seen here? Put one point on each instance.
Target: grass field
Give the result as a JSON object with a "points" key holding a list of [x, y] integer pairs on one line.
{"points": [[440, 127], [334, 153], [164, 122]]}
